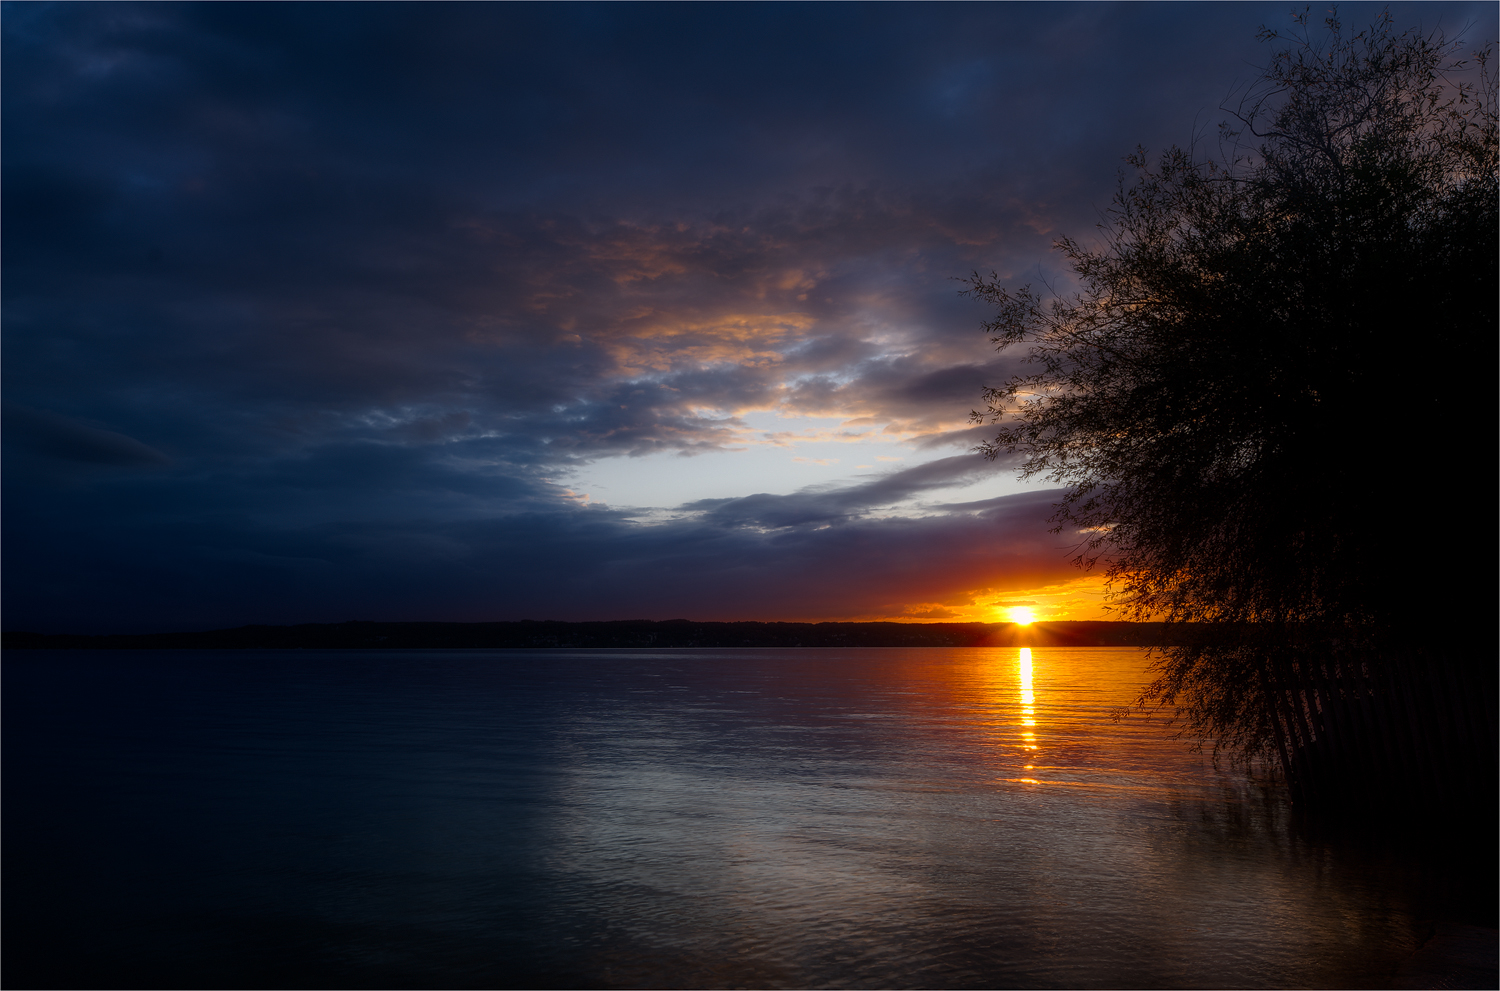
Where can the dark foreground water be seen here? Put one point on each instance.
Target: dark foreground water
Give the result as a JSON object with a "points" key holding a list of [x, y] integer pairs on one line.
{"points": [[684, 818]]}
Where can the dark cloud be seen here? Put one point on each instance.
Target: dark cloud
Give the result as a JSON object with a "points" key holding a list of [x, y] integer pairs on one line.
{"points": [[376, 277], [224, 566], [65, 439], [821, 505]]}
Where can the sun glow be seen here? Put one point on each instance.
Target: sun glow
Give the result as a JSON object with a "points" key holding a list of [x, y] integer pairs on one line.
{"points": [[1022, 615]]}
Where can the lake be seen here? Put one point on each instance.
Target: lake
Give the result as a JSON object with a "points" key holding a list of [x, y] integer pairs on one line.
{"points": [[670, 818]]}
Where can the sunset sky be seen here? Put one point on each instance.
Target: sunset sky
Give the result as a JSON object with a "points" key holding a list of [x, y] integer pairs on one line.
{"points": [[427, 312]]}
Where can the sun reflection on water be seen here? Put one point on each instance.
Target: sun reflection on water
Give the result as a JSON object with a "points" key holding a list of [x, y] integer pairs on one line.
{"points": [[1028, 701]]}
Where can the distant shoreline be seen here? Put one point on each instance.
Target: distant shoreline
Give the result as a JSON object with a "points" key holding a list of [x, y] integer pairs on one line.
{"points": [[530, 634]]}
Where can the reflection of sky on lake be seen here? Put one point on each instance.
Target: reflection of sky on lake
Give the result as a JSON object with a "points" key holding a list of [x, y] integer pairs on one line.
{"points": [[673, 818], [917, 819]]}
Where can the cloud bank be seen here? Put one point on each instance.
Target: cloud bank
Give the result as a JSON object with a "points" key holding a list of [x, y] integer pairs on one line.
{"points": [[318, 313]]}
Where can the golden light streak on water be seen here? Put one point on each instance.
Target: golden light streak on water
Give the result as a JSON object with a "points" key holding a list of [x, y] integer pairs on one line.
{"points": [[1028, 700]]}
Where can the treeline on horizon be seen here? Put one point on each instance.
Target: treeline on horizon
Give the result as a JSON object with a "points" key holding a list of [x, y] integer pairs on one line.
{"points": [[626, 633]]}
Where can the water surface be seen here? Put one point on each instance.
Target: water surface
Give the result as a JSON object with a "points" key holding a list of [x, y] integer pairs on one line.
{"points": [[678, 818]]}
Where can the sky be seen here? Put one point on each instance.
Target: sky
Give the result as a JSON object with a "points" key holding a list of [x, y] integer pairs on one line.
{"points": [[324, 312]]}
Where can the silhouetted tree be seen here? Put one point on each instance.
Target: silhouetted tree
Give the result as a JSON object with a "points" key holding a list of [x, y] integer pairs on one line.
{"points": [[1274, 383]]}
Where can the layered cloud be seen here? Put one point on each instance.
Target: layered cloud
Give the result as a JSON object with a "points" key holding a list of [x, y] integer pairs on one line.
{"points": [[328, 312]]}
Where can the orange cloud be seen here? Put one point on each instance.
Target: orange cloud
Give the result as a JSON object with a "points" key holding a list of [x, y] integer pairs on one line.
{"points": [[733, 339], [1082, 598]]}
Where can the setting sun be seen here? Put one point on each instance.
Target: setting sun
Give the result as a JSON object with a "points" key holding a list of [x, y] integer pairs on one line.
{"points": [[1022, 615]]}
